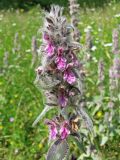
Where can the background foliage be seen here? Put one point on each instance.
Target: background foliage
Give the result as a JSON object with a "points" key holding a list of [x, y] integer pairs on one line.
{"points": [[46, 3]]}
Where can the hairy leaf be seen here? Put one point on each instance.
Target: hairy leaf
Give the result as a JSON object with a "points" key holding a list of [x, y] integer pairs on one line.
{"points": [[46, 81], [86, 118], [58, 151], [41, 115], [78, 141]]}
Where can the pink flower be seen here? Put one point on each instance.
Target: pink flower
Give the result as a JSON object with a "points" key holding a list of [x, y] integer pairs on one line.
{"points": [[69, 76], [53, 129], [61, 63], [64, 131], [53, 132], [50, 50], [62, 98]]}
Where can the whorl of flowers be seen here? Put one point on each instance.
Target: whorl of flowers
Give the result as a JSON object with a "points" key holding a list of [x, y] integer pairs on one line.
{"points": [[88, 44], [115, 38], [74, 8], [114, 72], [5, 59], [34, 50], [60, 79], [60, 66], [101, 75], [16, 43]]}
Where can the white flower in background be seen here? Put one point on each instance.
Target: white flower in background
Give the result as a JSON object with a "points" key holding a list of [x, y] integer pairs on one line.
{"points": [[28, 50], [23, 36], [39, 51], [14, 24], [11, 119], [81, 23], [117, 15], [93, 22], [94, 59], [93, 9], [96, 41], [110, 4], [88, 28], [1, 17], [114, 8], [93, 48], [107, 44], [99, 29], [16, 151]]}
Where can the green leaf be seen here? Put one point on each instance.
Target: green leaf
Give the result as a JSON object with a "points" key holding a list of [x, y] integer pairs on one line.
{"points": [[79, 143], [104, 140], [87, 120]]}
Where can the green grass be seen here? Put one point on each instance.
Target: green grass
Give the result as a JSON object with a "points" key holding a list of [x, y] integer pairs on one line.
{"points": [[20, 99]]}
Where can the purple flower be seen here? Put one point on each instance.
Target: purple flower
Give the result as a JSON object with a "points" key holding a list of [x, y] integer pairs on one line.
{"points": [[61, 63], [60, 50], [74, 59], [46, 37], [64, 131], [62, 98], [53, 129], [69, 76], [50, 49], [53, 132], [39, 70]]}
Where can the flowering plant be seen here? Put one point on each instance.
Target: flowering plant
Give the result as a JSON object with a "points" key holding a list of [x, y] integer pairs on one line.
{"points": [[61, 79]]}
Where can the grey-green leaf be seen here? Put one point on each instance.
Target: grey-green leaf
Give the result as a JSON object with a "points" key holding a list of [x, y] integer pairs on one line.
{"points": [[41, 115], [86, 118], [58, 151]]}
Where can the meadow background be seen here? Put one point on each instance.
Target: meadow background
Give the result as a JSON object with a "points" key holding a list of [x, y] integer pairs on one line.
{"points": [[21, 102]]}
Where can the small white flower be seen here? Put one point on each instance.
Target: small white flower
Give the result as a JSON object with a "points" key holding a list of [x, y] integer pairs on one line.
{"points": [[81, 23], [23, 36], [93, 9], [39, 51], [16, 151], [94, 59], [28, 50], [107, 44], [1, 17], [93, 48], [99, 29], [14, 24], [11, 119], [117, 15], [96, 41], [87, 28]]}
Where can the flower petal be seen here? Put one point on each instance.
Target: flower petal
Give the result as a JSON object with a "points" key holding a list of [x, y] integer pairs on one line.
{"points": [[69, 77]]}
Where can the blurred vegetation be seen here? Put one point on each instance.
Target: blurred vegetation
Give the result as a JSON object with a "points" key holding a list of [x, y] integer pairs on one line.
{"points": [[26, 4]]}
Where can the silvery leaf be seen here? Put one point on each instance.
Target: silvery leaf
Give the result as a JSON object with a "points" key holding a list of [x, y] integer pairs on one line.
{"points": [[51, 99], [86, 118], [46, 81], [41, 115], [58, 151]]}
